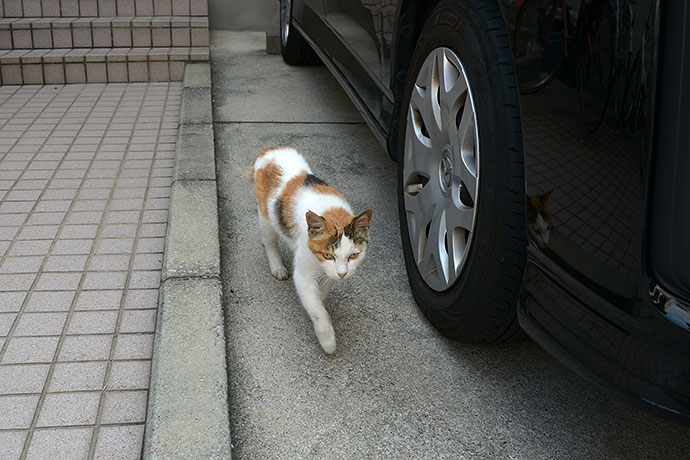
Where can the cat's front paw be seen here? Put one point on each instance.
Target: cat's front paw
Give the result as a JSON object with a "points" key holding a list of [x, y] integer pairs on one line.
{"points": [[328, 344], [280, 273]]}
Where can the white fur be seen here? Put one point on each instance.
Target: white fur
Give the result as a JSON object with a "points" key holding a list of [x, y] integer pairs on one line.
{"points": [[311, 276]]}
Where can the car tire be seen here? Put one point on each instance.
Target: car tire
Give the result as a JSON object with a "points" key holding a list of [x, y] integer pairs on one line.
{"points": [[293, 47], [474, 299]]}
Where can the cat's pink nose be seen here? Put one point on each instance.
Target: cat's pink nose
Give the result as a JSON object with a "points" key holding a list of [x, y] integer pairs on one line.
{"points": [[342, 275]]}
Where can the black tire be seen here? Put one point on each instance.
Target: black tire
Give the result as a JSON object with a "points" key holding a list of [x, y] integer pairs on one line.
{"points": [[293, 47], [481, 305]]}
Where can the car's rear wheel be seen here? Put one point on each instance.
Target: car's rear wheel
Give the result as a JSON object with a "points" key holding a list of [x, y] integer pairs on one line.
{"points": [[293, 47], [461, 175]]}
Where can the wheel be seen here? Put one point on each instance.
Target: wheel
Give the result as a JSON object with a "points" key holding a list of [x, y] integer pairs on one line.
{"points": [[293, 47], [595, 71], [461, 190], [539, 43]]}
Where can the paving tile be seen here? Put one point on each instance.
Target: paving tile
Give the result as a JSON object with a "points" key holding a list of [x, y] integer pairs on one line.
{"points": [[119, 231], [8, 233], [83, 231], [105, 280], [124, 407], [148, 262], [78, 376], [129, 375], [46, 218], [145, 280], [75, 247], [30, 248], [138, 321], [6, 321], [58, 281], [84, 217], [11, 301], [49, 301], [85, 348], [40, 324], [99, 300], [68, 409], [30, 350], [17, 282], [92, 322], [28, 378], [141, 298], [11, 444], [118, 262], [134, 346], [60, 443], [21, 264], [119, 442], [17, 411], [150, 245], [114, 246], [65, 263]]}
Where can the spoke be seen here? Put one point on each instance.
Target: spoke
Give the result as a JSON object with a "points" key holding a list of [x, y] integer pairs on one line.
{"points": [[466, 173], [419, 157], [434, 258], [459, 217], [453, 89]]}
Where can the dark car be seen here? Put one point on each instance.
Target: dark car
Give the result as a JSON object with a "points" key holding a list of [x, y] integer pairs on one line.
{"points": [[543, 169]]}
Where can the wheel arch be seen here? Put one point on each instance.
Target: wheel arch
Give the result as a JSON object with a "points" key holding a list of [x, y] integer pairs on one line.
{"points": [[410, 19]]}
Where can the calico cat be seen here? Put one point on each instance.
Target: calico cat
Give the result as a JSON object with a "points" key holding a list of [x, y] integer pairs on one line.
{"points": [[539, 218], [328, 242]]}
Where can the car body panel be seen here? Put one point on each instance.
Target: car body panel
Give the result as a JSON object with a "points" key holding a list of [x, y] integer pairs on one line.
{"points": [[608, 283]]}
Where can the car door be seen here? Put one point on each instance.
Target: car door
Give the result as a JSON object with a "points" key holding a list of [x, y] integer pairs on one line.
{"points": [[365, 27]]}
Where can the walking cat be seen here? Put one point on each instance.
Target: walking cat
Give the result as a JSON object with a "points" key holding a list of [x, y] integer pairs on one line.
{"points": [[328, 242]]}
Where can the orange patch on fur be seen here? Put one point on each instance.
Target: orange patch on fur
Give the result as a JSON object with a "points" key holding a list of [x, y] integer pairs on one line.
{"points": [[326, 190], [335, 220], [266, 181], [286, 199], [266, 150]]}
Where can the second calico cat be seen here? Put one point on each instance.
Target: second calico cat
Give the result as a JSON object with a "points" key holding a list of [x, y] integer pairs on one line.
{"points": [[539, 218], [328, 242]]}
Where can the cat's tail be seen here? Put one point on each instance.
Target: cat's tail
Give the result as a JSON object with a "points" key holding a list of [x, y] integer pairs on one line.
{"points": [[249, 171]]}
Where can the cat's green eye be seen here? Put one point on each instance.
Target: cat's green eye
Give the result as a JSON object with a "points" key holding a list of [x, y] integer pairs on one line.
{"points": [[327, 256], [353, 255]]}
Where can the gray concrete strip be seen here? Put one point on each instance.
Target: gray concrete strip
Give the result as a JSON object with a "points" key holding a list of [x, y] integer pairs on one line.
{"points": [[197, 75], [194, 159], [192, 239], [188, 396], [188, 407], [194, 108], [253, 86]]}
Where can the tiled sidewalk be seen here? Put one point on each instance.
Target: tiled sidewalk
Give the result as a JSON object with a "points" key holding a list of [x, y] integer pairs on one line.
{"points": [[85, 175]]}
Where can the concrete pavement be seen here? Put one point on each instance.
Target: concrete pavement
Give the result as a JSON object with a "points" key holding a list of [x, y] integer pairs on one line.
{"points": [[395, 389]]}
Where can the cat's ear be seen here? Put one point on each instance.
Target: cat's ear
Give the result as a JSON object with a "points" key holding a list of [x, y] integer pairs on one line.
{"points": [[359, 227], [545, 197], [315, 223]]}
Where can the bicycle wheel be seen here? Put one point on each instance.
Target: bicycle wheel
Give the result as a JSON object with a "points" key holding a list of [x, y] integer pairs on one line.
{"points": [[539, 43], [595, 72]]}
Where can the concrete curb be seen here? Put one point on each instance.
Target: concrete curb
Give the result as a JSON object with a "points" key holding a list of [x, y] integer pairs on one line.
{"points": [[188, 397]]}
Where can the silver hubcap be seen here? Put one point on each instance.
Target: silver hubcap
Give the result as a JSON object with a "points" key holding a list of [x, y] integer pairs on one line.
{"points": [[285, 11], [441, 168]]}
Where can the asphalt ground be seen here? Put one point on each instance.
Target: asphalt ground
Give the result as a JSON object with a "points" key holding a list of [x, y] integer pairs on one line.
{"points": [[395, 389]]}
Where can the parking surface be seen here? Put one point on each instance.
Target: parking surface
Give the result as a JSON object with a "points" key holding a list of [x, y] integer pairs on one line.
{"points": [[395, 387]]}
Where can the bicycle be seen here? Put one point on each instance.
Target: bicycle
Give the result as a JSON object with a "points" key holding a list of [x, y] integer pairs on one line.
{"points": [[551, 34]]}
